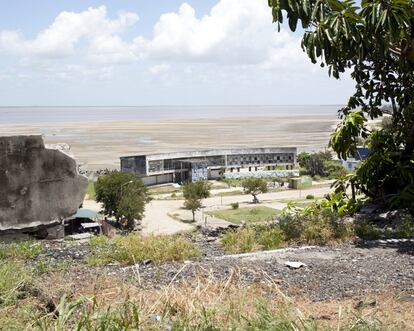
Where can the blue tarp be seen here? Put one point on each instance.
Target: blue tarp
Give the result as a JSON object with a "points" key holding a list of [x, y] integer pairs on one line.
{"points": [[85, 213]]}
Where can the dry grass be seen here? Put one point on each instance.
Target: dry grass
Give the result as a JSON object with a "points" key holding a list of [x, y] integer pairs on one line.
{"points": [[132, 248], [206, 303]]}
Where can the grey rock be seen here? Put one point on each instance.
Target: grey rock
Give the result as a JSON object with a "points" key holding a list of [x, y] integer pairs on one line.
{"points": [[38, 186]]}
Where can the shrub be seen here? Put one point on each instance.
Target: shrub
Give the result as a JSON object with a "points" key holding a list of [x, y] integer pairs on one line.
{"points": [[132, 248], [405, 228], [314, 225], [235, 205], [252, 238], [310, 197], [367, 231]]}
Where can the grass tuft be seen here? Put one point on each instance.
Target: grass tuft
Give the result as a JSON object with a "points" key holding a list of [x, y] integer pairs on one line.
{"points": [[250, 239], [132, 248], [25, 250]]}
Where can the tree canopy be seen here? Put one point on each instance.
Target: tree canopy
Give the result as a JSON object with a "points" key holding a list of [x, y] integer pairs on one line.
{"points": [[122, 196], [254, 186], [374, 41], [194, 193]]}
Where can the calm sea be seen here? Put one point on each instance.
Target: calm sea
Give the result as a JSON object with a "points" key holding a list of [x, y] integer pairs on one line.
{"points": [[16, 115]]}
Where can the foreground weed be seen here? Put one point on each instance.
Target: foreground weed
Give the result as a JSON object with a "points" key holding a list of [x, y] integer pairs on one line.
{"points": [[22, 251], [14, 277]]}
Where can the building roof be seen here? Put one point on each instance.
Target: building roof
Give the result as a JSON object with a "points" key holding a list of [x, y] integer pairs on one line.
{"points": [[216, 152]]}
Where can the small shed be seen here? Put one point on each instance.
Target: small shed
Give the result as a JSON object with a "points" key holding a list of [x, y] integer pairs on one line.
{"points": [[300, 182], [85, 220]]}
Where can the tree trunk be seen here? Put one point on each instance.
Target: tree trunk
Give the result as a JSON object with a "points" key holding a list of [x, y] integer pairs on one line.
{"points": [[193, 211]]}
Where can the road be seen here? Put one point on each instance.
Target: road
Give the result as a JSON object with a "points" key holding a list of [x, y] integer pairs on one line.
{"points": [[158, 221]]}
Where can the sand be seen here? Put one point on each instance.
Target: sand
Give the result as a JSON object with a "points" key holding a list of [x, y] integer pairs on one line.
{"points": [[99, 145]]}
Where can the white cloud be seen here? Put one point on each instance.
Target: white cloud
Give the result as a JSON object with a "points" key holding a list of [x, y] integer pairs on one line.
{"points": [[235, 32], [68, 30], [235, 42], [159, 68]]}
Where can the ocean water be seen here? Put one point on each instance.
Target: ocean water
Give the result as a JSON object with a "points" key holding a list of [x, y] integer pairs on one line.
{"points": [[17, 115]]}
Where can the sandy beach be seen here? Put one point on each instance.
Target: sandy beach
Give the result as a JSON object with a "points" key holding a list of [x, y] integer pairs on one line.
{"points": [[98, 145]]}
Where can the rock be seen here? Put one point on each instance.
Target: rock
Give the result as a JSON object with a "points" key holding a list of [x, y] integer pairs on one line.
{"points": [[368, 209], [295, 265], [147, 262], [38, 186]]}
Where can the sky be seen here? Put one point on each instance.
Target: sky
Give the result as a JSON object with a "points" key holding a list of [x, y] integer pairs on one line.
{"points": [[155, 52]]}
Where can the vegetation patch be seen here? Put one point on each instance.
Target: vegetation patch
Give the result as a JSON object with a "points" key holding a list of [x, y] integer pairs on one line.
{"points": [[163, 190], [249, 214], [90, 190], [13, 278], [229, 193], [132, 248], [404, 228], [250, 239], [24, 250]]}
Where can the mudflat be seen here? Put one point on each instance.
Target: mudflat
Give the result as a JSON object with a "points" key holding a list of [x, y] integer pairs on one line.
{"points": [[99, 144]]}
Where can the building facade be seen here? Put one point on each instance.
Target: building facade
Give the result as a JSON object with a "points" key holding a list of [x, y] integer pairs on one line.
{"points": [[352, 163], [205, 164]]}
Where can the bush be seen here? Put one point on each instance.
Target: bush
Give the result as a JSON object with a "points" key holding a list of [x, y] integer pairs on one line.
{"points": [[334, 169], [315, 226], [132, 248], [405, 228], [367, 231], [252, 238], [310, 197], [235, 205]]}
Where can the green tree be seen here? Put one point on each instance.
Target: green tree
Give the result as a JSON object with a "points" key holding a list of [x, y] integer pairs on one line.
{"points": [[122, 196], [194, 193], [374, 40], [254, 186], [131, 206], [315, 163]]}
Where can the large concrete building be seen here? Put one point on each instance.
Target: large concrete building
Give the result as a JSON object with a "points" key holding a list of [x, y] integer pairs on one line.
{"points": [[206, 164]]}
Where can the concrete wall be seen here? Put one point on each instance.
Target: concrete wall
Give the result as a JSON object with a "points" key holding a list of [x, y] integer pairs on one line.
{"points": [[38, 186], [136, 165], [215, 152], [262, 174], [157, 179]]}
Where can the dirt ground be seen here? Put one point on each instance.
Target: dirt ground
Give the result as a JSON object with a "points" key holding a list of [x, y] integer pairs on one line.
{"points": [[372, 279], [99, 145]]}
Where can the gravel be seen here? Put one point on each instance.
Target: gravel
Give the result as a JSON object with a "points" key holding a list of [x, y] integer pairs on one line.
{"points": [[331, 272]]}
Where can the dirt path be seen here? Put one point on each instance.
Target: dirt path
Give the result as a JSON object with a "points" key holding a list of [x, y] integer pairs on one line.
{"points": [[158, 221]]}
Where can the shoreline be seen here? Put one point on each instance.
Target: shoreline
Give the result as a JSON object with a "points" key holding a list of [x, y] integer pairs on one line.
{"points": [[98, 145]]}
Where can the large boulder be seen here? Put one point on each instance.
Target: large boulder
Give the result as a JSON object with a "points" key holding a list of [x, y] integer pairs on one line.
{"points": [[38, 186]]}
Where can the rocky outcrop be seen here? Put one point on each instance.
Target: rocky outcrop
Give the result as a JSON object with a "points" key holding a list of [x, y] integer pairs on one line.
{"points": [[38, 186]]}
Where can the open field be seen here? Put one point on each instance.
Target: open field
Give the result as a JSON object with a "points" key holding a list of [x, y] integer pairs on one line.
{"points": [[98, 145], [249, 215]]}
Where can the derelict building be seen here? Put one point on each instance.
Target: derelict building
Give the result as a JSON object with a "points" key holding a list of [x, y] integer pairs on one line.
{"points": [[206, 164]]}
